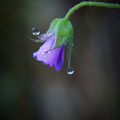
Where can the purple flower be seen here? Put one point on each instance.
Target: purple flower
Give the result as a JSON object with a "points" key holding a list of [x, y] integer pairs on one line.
{"points": [[59, 35], [48, 54]]}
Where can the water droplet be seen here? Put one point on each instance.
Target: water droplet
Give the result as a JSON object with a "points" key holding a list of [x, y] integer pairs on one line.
{"points": [[70, 70], [35, 31]]}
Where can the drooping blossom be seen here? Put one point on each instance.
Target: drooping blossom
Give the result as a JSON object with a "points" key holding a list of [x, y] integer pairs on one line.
{"points": [[58, 36]]}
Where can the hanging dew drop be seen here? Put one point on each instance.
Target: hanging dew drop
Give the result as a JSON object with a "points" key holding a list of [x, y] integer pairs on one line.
{"points": [[35, 31], [70, 70]]}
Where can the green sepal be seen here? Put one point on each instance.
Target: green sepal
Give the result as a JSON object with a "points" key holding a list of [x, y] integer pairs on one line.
{"points": [[63, 32], [53, 25]]}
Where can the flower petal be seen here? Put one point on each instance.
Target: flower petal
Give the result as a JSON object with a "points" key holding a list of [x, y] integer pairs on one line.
{"points": [[44, 37], [40, 55], [53, 56], [50, 56], [60, 60]]}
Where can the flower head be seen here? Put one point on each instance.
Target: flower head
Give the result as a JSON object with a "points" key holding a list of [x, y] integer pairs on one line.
{"points": [[56, 38]]}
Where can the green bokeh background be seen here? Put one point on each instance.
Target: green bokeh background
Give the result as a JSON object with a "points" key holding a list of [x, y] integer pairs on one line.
{"points": [[30, 90]]}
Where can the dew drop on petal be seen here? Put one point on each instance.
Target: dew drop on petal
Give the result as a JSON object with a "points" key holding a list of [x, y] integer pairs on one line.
{"points": [[35, 31], [70, 70]]}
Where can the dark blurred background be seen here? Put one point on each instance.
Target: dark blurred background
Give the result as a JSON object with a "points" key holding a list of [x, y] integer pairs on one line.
{"points": [[30, 90]]}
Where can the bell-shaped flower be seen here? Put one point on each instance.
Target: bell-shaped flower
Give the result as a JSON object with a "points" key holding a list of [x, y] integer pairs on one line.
{"points": [[59, 34]]}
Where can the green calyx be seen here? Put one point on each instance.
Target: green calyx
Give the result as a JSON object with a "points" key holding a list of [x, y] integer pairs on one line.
{"points": [[63, 31], [53, 25]]}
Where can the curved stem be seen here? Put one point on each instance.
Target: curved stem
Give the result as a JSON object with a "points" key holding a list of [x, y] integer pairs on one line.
{"points": [[89, 3]]}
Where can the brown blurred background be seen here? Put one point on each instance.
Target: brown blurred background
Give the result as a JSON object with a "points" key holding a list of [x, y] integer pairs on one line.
{"points": [[30, 90]]}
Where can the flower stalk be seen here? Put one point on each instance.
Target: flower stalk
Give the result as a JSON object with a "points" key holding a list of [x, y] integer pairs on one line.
{"points": [[89, 4]]}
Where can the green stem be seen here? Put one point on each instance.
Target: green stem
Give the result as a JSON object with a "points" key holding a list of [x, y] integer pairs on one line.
{"points": [[89, 3]]}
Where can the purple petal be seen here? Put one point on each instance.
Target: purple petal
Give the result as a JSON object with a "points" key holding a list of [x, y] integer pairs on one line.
{"points": [[60, 60], [53, 56], [40, 55], [50, 56], [44, 37]]}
